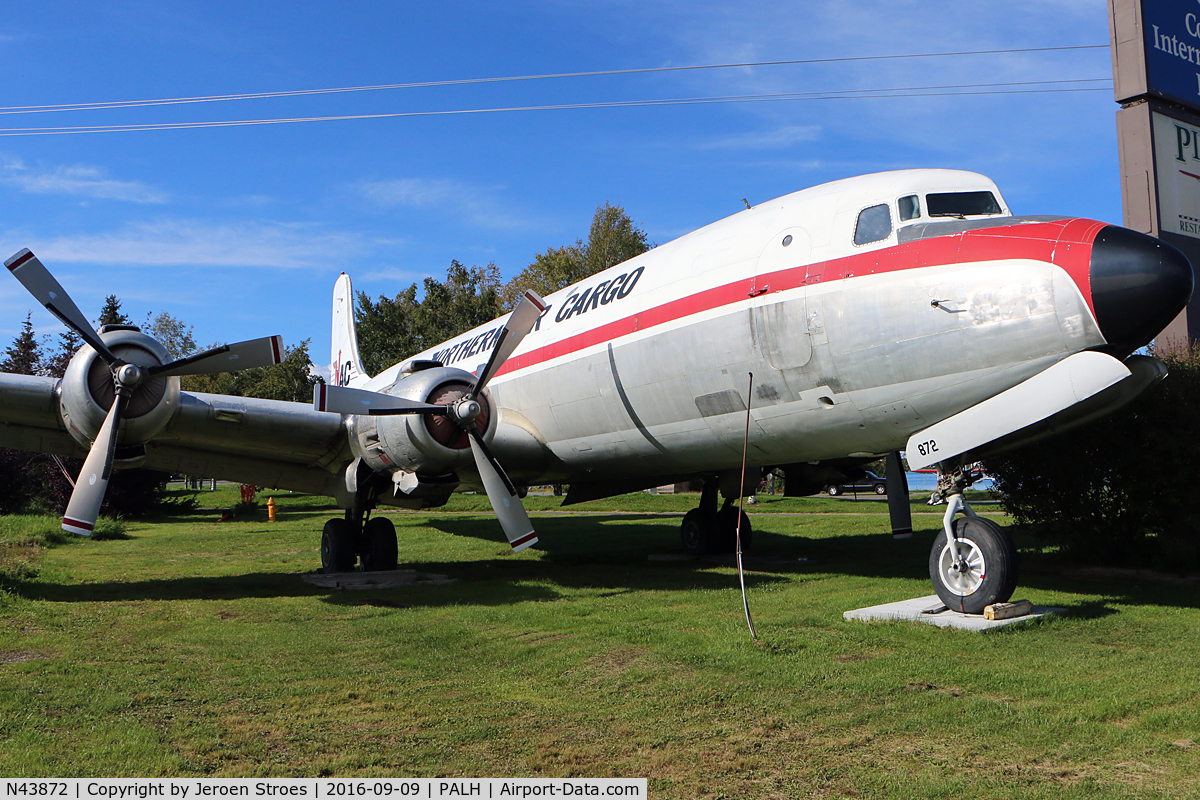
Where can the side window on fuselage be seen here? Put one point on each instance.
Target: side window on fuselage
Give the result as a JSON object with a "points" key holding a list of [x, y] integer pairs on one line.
{"points": [[874, 224], [909, 207]]}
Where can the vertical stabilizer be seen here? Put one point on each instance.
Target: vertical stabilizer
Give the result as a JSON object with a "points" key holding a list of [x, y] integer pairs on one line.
{"points": [[345, 368]]}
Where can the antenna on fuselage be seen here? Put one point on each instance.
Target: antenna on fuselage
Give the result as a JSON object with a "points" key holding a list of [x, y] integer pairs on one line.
{"points": [[747, 202]]}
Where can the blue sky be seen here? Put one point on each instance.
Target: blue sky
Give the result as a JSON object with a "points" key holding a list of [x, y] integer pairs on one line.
{"points": [[241, 231]]}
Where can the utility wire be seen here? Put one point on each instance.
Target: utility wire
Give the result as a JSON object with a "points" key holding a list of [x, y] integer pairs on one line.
{"points": [[95, 106], [849, 94]]}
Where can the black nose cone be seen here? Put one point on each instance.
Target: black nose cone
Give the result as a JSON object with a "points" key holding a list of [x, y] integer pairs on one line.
{"points": [[1139, 284]]}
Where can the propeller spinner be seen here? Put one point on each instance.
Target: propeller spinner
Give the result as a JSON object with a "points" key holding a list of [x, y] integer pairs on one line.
{"points": [[462, 412], [88, 494]]}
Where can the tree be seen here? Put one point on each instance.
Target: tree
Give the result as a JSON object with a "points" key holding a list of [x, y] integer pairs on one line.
{"points": [[171, 333], [392, 330], [56, 364], [111, 314], [290, 380], [612, 239], [24, 356]]}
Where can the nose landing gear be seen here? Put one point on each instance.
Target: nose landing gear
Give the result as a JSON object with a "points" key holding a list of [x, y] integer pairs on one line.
{"points": [[975, 564]]}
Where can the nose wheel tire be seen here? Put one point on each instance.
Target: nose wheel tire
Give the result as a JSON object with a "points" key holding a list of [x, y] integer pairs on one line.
{"points": [[984, 572], [337, 547], [379, 541]]}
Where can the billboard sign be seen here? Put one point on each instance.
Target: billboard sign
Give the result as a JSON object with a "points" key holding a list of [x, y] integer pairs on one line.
{"points": [[1172, 31], [1177, 167]]}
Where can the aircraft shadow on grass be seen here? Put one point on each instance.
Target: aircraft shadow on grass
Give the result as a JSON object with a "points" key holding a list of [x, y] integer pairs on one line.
{"points": [[613, 553]]}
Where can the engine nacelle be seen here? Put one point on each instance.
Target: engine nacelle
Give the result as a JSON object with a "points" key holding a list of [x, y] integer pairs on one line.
{"points": [[427, 444], [87, 390]]}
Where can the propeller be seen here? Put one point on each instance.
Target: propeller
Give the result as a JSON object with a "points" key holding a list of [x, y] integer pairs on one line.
{"points": [[88, 494], [462, 412]]}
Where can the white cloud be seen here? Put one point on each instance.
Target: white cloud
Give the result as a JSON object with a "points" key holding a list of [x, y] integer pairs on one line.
{"points": [[202, 243], [394, 274], [782, 136], [475, 205], [77, 181]]}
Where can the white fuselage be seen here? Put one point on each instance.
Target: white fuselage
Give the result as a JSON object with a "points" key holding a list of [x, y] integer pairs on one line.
{"points": [[644, 369]]}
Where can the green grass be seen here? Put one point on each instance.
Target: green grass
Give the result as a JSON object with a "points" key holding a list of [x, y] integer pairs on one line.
{"points": [[191, 648], [227, 495]]}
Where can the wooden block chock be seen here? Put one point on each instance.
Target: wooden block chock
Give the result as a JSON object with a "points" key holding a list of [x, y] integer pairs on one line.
{"points": [[1018, 608]]}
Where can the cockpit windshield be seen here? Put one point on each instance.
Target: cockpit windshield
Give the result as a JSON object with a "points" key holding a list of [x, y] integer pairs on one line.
{"points": [[961, 204]]}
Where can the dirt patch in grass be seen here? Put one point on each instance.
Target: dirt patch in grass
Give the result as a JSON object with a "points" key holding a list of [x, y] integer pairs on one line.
{"points": [[19, 656]]}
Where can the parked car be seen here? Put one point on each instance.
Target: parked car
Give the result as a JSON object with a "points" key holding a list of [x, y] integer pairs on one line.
{"points": [[868, 483]]}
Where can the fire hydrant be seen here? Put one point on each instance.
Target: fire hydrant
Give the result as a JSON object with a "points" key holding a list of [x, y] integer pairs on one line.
{"points": [[271, 509]]}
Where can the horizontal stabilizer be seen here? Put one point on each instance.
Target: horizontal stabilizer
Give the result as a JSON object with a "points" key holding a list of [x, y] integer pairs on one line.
{"points": [[1068, 382]]}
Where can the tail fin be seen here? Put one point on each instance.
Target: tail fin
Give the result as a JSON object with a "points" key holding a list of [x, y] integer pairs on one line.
{"points": [[346, 368]]}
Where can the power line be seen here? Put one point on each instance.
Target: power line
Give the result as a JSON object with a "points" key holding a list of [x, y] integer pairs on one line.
{"points": [[114, 104], [959, 90]]}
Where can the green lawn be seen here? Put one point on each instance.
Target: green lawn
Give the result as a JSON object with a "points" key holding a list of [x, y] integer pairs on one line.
{"points": [[191, 648]]}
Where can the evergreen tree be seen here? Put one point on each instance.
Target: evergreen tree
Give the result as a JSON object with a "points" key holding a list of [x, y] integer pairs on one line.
{"points": [[56, 364], [111, 314], [24, 356]]}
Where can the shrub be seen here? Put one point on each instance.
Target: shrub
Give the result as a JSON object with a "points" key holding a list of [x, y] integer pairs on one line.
{"points": [[1120, 490]]}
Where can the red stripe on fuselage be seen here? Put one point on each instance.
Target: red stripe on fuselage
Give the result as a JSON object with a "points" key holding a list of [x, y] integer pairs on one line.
{"points": [[1066, 243]]}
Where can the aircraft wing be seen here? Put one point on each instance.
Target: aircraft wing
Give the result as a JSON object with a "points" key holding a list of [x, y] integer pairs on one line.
{"points": [[29, 417], [265, 442]]}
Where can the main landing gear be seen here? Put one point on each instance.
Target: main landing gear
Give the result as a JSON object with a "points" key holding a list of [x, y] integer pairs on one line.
{"points": [[708, 530], [975, 563], [372, 539]]}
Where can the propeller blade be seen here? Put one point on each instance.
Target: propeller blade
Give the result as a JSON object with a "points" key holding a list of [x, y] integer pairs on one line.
{"points": [[34, 276], [897, 494], [344, 400], [520, 322], [264, 352], [88, 494], [503, 496]]}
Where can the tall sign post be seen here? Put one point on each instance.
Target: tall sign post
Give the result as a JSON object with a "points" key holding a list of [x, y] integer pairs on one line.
{"points": [[1156, 79]]}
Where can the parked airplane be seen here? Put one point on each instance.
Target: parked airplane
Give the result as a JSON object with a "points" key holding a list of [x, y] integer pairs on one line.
{"points": [[902, 310]]}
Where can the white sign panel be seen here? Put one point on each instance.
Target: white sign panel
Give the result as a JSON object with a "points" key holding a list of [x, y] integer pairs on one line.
{"points": [[1177, 162]]}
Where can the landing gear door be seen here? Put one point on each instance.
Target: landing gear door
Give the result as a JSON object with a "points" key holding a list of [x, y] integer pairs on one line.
{"points": [[780, 313]]}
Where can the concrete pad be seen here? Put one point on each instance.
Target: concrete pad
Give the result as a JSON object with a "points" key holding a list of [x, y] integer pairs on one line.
{"points": [[913, 611], [362, 581]]}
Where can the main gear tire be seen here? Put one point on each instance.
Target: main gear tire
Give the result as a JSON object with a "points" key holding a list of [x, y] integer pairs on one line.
{"points": [[727, 521], [699, 533], [338, 553], [380, 550]]}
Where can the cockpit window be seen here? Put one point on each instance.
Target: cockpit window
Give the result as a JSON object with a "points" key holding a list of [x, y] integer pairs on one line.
{"points": [[874, 224], [909, 207], [961, 204]]}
